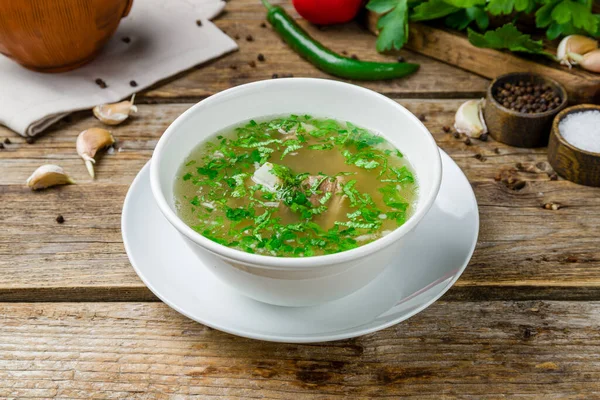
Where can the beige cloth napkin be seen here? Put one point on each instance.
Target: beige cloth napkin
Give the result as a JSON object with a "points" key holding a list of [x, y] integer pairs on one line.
{"points": [[164, 40]]}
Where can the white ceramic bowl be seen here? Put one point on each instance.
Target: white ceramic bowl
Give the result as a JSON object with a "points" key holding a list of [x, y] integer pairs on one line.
{"points": [[284, 280]]}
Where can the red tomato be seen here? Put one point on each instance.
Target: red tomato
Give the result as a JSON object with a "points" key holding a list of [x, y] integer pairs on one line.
{"points": [[326, 12]]}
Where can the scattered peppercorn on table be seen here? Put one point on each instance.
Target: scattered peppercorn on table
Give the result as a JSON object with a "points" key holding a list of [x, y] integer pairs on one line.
{"points": [[76, 321]]}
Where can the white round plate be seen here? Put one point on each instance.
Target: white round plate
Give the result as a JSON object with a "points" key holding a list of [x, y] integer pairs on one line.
{"points": [[438, 251]]}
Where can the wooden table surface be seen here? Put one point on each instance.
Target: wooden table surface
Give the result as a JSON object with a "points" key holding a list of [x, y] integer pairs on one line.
{"points": [[76, 322]]}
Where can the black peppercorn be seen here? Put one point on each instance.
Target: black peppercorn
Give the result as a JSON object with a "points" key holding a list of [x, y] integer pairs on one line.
{"points": [[527, 97], [101, 83]]}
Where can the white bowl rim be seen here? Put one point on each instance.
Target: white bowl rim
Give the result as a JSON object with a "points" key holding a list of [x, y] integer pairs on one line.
{"points": [[274, 262]]}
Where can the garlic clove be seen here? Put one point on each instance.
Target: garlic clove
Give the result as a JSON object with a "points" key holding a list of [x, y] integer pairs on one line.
{"points": [[589, 61], [89, 142], [469, 119], [48, 175], [574, 44], [114, 114]]}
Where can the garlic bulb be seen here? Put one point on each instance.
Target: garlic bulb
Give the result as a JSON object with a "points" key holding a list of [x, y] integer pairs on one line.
{"points": [[89, 142], [469, 119], [574, 44], [589, 61], [114, 114], [48, 175]]}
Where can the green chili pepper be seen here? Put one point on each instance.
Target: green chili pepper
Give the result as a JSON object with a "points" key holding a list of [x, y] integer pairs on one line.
{"points": [[325, 59]]}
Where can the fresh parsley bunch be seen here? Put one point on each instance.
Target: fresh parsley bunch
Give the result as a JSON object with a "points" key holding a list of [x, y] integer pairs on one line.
{"points": [[556, 17]]}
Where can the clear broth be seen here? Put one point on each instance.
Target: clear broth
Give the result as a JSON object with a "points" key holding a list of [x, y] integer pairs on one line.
{"points": [[371, 186]]}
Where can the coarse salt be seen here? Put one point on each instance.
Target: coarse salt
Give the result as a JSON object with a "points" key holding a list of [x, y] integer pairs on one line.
{"points": [[582, 130]]}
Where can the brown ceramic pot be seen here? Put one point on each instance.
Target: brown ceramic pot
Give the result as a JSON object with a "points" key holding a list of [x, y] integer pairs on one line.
{"points": [[516, 128], [57, 35], [576, 165]]}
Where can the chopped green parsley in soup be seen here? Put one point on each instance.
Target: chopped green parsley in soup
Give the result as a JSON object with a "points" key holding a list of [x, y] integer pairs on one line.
{"points": [[295, 186]]}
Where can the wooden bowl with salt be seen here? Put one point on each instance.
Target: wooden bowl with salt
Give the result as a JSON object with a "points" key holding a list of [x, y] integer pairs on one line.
{"points": [[574, 147]]}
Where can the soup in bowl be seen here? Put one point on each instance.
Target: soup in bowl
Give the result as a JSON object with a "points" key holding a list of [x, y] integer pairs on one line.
{"points": [[296, 191]]}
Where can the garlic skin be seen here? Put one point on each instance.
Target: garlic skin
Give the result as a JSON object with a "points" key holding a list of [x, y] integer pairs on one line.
{"points": [[89, 142], [48, 175], [114, 114], [574, 44], [469, 119], [589, 61]]}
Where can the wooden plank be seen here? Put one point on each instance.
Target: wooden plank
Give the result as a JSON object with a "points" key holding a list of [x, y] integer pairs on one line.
{"points": [[491, 350], [244, 17], [455, 49], [524, 250]]}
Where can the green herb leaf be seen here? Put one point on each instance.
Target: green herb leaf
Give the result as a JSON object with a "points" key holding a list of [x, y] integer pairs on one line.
{"points": [[187, 177], [403, 175], [566, 17], [195, 201], [325, 198], [354, 215], [255, 155], [322, 146], [465, 3], [359, 225], [507, 37], [291, 146], [211, 173], [381, 6], [362, 163], [464, 17], [555, 30], [480, 16], [393, 26], [238, 214], [543, 16], [506, 7], [398, 216], [392, 198], [284, 173], [578, 14], [432, 9], [361, 138]]}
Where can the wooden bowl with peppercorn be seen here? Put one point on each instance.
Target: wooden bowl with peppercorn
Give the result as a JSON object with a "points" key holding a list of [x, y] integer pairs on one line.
{"points": [[574, 148], [520, 107]]}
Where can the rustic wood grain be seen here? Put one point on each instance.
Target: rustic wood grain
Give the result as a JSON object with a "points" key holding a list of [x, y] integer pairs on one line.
{"points": [[538, 241], [455, 49], [243, 18], [491, 350], [524, 249]]}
